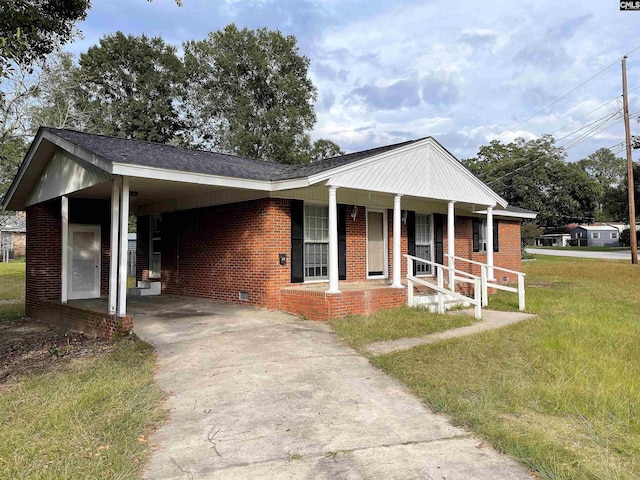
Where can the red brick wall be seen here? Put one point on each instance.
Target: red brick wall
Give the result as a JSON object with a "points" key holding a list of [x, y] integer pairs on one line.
{"points": [[19, 243], [318, 305], [72, 317], [217, 252], [44, 254]]}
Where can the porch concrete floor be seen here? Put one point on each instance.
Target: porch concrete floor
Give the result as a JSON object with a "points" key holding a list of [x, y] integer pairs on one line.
{"points": [[259, 394]]}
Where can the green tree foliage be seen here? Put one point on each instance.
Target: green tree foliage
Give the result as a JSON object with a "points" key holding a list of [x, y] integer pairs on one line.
{"points": [[533, 174], [56, 105], [528, 233], [617, 205], [249, 94], [32, 29], [131, 87], [608, 171]]}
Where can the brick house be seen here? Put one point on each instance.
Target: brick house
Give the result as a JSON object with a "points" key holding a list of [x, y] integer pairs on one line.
{"points": [[321, 240], [13, 237]]}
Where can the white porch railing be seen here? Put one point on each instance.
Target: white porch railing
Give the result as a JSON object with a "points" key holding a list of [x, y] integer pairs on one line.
{"points": [[487, 282], [439, 287]]}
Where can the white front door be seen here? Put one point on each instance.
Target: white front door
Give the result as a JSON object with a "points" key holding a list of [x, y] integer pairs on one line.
{"points": [[84, 261], [376, 244]]}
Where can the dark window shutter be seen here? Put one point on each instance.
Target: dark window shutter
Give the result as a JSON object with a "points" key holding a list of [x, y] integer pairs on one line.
{"points": [[438, 222], [411, 236], [496, 247], [476, 234], [342, 242], [297, 241]]}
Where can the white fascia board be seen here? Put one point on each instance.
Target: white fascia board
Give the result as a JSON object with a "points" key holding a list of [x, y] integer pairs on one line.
{"points": [[325, 175], [279, 185], [499, 200], [507, 213], [129, 170]]}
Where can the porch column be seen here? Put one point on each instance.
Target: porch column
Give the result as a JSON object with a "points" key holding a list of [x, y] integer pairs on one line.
{"points": [[333, 241], [451, 242], [124, 230], [489, 234], [114, 249], [65, 249], [396, 283]]}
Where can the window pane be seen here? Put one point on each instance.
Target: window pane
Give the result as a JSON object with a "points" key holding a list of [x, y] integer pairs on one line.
{"points": [[423, 230], [423, 251], [315, 260]]}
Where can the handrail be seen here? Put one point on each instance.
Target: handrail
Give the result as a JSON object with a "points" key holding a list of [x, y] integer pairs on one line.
{"points": [[480, 263], [477, 290], [484, 275]]}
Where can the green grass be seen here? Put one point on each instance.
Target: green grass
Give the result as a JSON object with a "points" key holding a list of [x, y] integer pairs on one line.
{"points": [[84, 421], [359, 330], [560, 392], [11, 289]]}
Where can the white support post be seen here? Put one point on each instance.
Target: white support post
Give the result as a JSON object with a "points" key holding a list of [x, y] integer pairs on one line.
{"points": [[485, 288], [489, 234], [124, 230], [333, 241], [409, 282], [451, 244], [477, 298], [439, 273], [65, 250], [521, 304], [114, 249], [397, 278]]}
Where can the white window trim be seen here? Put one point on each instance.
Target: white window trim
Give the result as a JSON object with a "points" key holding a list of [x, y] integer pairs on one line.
{"points": [[614, 235], [595, 235], [385, 234], [304, 243], [430, 244]]}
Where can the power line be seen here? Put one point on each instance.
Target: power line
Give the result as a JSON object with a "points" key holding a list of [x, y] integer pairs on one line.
{"points": [[566, 94], [606, 118]]}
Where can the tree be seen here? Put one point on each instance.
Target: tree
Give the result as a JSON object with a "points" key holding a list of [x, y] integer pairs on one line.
{"points": [[534, 175], [529, 232], [131, 87], [250, 95], [56, 104], [32, 29], [322, 149], [608, 171], [618, 201]]}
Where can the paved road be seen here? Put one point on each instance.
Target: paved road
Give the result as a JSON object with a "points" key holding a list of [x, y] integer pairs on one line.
{"points": [[258, 394], [614, 255]]}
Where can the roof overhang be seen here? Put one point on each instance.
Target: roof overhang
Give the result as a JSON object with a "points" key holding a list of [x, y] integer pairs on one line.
{"points": [[509, 213]]}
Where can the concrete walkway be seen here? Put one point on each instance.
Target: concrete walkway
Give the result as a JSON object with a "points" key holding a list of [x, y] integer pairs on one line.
{"points": [[491, 319], [256, 394]]}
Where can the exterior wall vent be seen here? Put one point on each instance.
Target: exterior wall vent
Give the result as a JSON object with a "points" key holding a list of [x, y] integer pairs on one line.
{"points": [[243, 295]]}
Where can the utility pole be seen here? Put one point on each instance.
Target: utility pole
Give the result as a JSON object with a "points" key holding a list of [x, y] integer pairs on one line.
{"points": [[627, 132]]}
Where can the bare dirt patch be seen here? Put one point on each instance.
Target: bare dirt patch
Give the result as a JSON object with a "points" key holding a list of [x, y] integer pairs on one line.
{"points": [[30, 347]]}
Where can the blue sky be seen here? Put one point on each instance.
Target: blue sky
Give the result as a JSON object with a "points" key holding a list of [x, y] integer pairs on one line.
{"points": [[464, 71]]}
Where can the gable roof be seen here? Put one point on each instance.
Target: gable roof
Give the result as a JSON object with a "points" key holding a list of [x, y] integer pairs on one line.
{"points": [[596, 228], [426, 164]]}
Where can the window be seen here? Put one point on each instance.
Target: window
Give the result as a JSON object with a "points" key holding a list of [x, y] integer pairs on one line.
{"points": [[155, 244], [316, 242], [614, 235], [480, 235], [595, 235], [423, 243], [7, 241]]}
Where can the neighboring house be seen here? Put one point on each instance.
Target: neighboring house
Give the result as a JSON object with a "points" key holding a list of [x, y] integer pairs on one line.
{"points": [[13, 236], [595, 236], [322, 240], [556, 237]]}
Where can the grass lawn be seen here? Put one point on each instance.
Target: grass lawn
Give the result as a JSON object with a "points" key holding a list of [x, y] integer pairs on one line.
{"points": [[11, 290], [560, 392], [360, 330], [81, 417]]}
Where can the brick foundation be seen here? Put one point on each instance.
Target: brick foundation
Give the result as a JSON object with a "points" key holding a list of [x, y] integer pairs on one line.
{"points": [[73, 317], [319, 305]]}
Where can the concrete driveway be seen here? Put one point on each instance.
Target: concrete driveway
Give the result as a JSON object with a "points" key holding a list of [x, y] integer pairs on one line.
{"points": [[263, 395]]}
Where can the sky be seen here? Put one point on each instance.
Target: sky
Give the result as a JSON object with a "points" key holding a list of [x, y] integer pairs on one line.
{"points": [[464, 72]]}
